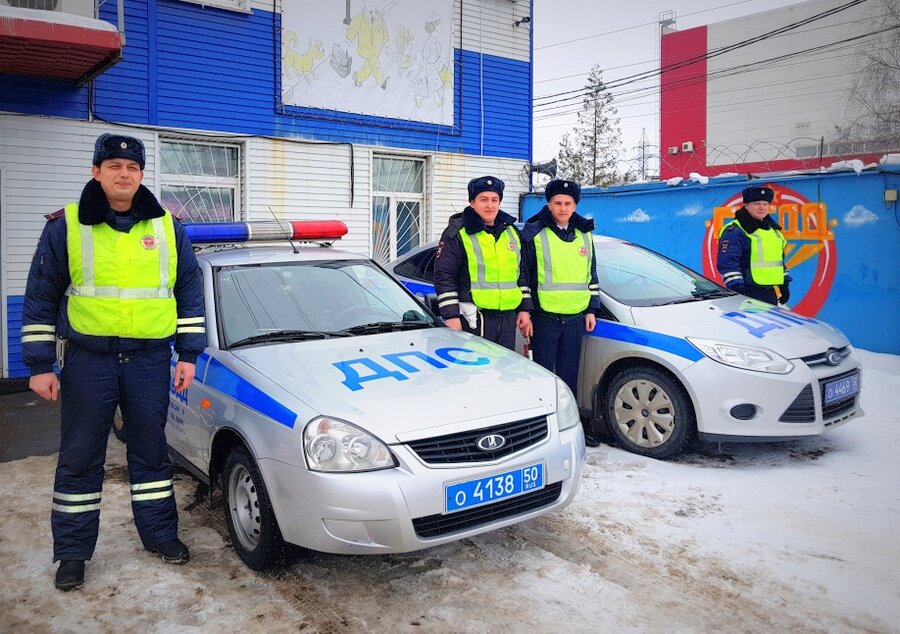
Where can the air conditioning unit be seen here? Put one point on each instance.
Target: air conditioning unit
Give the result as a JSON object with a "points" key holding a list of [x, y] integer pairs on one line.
{"points": [[673, 150], [83, 8], [687, 146]]}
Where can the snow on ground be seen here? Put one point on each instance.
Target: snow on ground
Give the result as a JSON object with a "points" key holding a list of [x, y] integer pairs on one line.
{"points": [[798, 536]]}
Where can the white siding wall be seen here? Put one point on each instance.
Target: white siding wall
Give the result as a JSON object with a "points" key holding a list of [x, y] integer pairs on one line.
{"points": [[488, 27], [452, 173], [311, 181], [46, 163], [801, 97]]}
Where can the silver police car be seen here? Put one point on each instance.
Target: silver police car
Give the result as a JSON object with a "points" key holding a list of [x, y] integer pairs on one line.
{"points": [[676, 356], [338, 415]]}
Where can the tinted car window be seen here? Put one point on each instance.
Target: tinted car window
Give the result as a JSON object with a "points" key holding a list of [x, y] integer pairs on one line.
{"points": [[418, 267]]}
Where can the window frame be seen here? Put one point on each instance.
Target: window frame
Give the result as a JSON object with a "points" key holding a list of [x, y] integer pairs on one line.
{"points": [[235, 183]]}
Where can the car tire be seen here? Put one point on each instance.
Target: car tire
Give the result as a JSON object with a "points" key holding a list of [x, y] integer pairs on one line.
{"points": [[649, 413], [248, 512], [119, 425]]}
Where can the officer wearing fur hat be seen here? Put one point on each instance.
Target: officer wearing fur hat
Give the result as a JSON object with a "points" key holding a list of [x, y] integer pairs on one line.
{"points": [[751, 250], [115, 277], [562, 274], [478, 273]]}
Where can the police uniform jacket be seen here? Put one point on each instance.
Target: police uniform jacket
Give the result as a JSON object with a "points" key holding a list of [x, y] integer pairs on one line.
{"points": [[451, 270], [534, 226], [734, 255], [49, 277]]}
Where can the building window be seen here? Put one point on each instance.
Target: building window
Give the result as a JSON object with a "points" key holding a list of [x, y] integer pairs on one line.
{"points": [[398, 201], [234, 5], [200, 182]]}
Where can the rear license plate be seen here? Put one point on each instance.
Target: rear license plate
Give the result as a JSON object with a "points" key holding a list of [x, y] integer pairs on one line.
{"points": [[841, 388], [508, 484]]}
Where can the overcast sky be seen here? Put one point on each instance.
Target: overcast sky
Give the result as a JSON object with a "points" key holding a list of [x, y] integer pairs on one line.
{"points": [[623, 37]]}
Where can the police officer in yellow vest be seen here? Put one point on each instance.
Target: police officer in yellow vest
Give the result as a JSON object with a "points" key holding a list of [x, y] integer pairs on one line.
{"points": [[562, 272], [116, 278], [478, 274], [751, 250]]}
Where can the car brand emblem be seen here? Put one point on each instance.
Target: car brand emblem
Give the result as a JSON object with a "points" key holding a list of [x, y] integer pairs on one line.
{"points": [[834, 357], [491, 443]]}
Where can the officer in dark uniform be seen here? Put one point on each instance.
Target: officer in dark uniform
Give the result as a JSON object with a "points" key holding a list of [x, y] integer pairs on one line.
{"points": [[562, 273], [751, 250], [116, 278], [478, 275]]}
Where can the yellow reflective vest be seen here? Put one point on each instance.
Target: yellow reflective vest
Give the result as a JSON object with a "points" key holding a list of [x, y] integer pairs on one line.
{"points": [[122, 283], [563, 271], [766, 254], [494, 268]]}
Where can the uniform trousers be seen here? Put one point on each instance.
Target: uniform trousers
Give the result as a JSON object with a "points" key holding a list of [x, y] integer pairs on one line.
{"points": [[556, 345], [92, 385], [498, 326]]}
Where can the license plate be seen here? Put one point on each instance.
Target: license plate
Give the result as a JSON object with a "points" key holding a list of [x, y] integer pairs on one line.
{"points": [[841, 388], [508, 484]]}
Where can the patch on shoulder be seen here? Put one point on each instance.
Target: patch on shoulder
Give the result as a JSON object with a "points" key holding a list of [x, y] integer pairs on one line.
{"points": [[439, 249], [59, 213], [724, 245]]}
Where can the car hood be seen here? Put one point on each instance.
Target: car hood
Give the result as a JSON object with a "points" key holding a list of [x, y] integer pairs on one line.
{"points": [[743, 321], [407, 385]]}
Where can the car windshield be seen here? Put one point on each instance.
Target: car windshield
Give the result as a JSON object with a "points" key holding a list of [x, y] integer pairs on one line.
{"points": [[637, 276], [296, 301]]}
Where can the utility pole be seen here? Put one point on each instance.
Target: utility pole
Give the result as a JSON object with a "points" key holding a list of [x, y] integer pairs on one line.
{"points": [[643, 154], [595, 142]]}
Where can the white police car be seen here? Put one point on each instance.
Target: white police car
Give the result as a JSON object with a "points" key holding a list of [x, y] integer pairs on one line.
{"points": [[675, 355], [337, 415]]}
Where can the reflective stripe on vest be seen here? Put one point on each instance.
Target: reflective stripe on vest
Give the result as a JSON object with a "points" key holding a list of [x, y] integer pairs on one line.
{"points": [[122, 283], [766, 255], [494, 269], [564, 272]]}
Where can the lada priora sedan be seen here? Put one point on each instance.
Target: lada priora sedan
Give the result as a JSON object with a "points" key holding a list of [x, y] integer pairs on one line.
{"points": [[338, 415], [675, 355]]}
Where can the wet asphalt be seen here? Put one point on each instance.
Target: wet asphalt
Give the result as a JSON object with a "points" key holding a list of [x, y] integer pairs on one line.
{"points": [[29, 426]]}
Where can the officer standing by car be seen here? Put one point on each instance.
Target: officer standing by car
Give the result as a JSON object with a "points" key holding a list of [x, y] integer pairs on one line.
{"points": [[478, 274], [115, 277], [751, 250], [562, 273]]}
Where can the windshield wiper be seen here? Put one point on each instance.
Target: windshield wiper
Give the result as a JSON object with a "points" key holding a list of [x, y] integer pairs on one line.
{"points": [[386, 326], [286, 335], [697, 296]]}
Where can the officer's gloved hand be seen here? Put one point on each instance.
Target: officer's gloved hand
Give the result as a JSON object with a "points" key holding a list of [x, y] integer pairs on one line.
{"points": [[785, 292]]}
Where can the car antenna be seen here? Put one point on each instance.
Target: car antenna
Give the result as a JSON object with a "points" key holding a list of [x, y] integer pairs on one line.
{"points": [[286, 234]]}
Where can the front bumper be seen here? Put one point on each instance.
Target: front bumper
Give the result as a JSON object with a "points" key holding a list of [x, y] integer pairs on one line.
{"points": [[374, 512], [786, 406]]}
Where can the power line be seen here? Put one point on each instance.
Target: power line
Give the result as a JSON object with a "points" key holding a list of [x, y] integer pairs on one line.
{"points": [[629, 79], [636, 26]]}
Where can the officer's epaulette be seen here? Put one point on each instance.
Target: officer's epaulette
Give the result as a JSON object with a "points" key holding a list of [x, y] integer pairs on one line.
{"points": [[56, 214]]}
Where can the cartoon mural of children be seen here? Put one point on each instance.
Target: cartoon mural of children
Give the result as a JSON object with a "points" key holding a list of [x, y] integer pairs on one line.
{"points": [[428, 81], [403, 45]]}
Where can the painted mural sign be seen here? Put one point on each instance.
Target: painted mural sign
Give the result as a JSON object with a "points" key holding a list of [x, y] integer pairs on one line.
{"points": [[810, 237], [384, 58]]}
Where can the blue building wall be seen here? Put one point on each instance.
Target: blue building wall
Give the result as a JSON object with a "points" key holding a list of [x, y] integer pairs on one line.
{"points": [[185, 66], [864, 298]]}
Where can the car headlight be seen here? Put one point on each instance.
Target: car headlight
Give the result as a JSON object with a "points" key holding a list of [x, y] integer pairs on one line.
{"points": [[566, 407], [333, 445], [744, 357]]}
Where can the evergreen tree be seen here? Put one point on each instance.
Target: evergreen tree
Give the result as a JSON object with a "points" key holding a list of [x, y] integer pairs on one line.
{"points": [[589, 153]]}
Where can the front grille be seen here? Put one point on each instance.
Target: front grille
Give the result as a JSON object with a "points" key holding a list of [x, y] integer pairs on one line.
{"points": [[802, 410], [837, 407], [438, 525], [821, 358], [461, 447]]}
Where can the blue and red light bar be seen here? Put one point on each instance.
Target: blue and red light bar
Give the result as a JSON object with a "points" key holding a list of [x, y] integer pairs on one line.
{"points": [[265, 230]]}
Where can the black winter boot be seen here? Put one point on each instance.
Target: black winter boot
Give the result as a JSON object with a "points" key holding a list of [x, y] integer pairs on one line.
{"points": [[70, 574], [172, 552]]}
